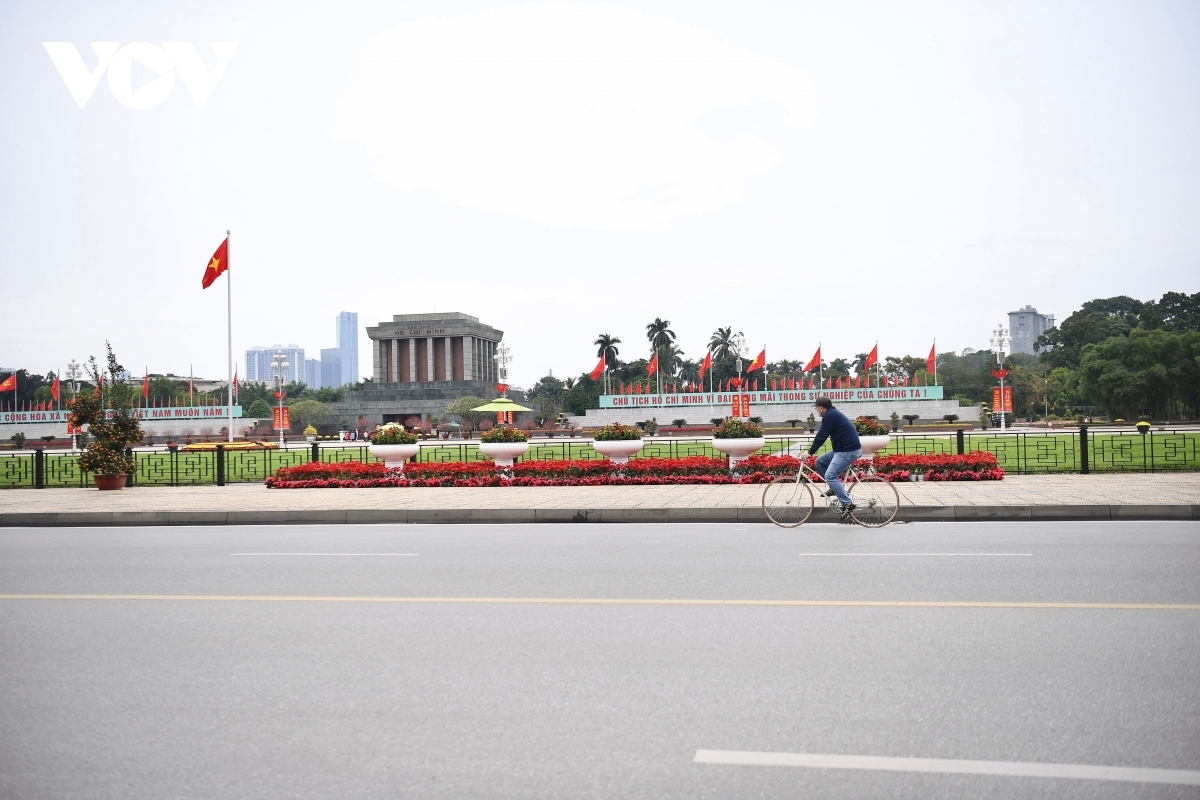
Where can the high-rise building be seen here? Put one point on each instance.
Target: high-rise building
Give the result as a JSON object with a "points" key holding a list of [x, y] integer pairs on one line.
{"points": [[1026, 325], [331, 367], [347, 343], [260, 361], [312, 373]]}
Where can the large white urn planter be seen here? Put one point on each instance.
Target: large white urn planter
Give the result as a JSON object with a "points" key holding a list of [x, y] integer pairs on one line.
{"points": [[618, 451], [871, 444], [503, 453], [394, 455], [738, 449]]}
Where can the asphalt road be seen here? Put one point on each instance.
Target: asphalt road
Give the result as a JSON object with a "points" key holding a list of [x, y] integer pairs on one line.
{"points": [[231, 695]]}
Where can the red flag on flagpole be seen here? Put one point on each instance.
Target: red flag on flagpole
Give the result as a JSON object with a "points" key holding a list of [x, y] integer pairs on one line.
{"points": [[706, 365], [10, 385], [146, 386], [652, 367], [216, 265], [596, 373], [759, 361], [931, 362], [814, 362], [54, 389], [872, 357], [235, 386]]}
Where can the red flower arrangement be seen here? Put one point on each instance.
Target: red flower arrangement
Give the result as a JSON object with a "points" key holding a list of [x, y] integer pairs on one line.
{"points": [[977, 466]]}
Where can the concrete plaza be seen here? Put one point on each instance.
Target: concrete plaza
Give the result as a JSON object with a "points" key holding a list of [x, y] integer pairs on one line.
{"points": [[1133, 495]]}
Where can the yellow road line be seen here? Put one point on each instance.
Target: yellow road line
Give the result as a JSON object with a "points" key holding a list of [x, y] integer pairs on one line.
{"points": [[608, 601]]}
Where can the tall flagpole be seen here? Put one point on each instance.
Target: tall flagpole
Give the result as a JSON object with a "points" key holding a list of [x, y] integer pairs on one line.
{"points": [[229, 330]]}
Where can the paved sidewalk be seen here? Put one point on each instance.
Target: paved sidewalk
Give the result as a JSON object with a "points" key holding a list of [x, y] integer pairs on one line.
{"points": [[1137, 495]]}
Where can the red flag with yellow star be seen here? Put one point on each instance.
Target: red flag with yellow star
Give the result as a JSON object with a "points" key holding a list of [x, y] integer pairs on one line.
{"points": [[216, 265]]}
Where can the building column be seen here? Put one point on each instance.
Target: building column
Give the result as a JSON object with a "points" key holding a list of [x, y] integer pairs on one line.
{"points": [[468, 358], [448, 352], [375, 362], [394, 359], [412, 360], [429, 371]]}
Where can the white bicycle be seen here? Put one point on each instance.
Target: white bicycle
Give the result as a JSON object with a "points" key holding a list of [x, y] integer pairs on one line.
{"points": [[788, 501]]}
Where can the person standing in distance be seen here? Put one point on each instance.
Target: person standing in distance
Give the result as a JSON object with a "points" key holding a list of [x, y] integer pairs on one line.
{"points": [[847, 449]]}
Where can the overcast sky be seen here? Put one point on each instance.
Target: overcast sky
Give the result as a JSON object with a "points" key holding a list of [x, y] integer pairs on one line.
{"points": [[802, 172]]}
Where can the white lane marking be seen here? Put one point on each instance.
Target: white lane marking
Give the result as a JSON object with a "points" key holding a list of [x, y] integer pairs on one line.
{"points": [[324, 554], [1027, 769], [1020, 555]]}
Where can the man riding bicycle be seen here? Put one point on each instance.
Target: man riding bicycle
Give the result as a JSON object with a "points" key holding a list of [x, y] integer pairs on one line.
{"points": [[847, 449]]}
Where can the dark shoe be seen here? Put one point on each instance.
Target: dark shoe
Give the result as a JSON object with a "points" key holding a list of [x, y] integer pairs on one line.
{"points": [[844, 510]]}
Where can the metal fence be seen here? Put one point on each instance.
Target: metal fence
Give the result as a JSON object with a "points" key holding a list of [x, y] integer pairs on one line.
{"points": [[1022, 453]]}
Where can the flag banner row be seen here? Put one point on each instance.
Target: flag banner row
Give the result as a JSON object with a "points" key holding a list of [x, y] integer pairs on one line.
{"points": [[214, 413], [851, 395]]}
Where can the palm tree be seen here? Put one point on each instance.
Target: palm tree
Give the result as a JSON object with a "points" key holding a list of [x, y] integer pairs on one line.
{"points": [[603, 342], [660, 334], [859, 361], [839, 367], [674, 359], [723, 342]]}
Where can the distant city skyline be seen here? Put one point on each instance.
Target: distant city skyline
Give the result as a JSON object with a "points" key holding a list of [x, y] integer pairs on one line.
{"points": [[336, 367]]}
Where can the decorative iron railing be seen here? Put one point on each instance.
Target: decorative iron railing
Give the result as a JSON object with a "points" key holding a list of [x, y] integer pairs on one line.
{"points": [[1018, 452]]}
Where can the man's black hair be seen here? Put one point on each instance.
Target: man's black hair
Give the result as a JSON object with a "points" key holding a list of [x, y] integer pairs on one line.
{"points": [[824, 402]]}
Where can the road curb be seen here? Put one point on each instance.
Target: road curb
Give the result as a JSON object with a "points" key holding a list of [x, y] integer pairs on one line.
{"points": [[737, 514]]}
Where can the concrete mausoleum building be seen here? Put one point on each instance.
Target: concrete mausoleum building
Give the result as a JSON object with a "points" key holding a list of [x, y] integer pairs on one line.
{"points": [[422, 362]]}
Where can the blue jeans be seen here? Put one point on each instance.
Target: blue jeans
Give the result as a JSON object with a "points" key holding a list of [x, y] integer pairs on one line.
{"points": [[831, 466]]}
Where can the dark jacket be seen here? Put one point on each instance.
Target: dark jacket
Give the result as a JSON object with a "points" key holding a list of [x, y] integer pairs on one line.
{"points": [[838, 428]]}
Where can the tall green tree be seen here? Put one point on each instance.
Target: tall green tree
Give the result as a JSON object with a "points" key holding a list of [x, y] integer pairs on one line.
{"points": [[605, 341], [723, 342], [1151, 372]]}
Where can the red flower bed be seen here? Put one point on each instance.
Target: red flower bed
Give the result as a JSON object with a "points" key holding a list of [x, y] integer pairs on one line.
{"points": [[602, 472], [978, 465]]}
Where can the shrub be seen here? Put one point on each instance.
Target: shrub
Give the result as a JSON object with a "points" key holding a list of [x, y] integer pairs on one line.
{"points": [[392, 434], [736, 429], [504, 433], [106, 455], [869, 426], [616, 432], [951, 418]]}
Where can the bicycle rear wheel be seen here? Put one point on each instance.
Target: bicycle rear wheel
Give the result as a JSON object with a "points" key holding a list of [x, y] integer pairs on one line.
{"points": [[787, 502], [876, 501]]}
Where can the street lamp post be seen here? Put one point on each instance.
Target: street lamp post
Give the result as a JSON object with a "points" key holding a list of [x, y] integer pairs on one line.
{"points": [[1001, 340], [279, 367], [73, 376]]}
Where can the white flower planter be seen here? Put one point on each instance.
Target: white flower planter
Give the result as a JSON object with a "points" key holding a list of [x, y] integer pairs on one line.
{"points": [[738, 449], [618, 451], [394, 455], [871, 444], [503, 453]]}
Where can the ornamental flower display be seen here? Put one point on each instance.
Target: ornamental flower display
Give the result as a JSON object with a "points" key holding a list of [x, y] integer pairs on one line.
{"points": [[393, 434], [870, 426], [602, 472], [616, 432], [505, 434], [737, 429], [110, 435]]}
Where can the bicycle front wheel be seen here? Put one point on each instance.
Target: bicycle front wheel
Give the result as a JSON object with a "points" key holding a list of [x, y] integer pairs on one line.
{"points": [[787, 502], [876, 501]]}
